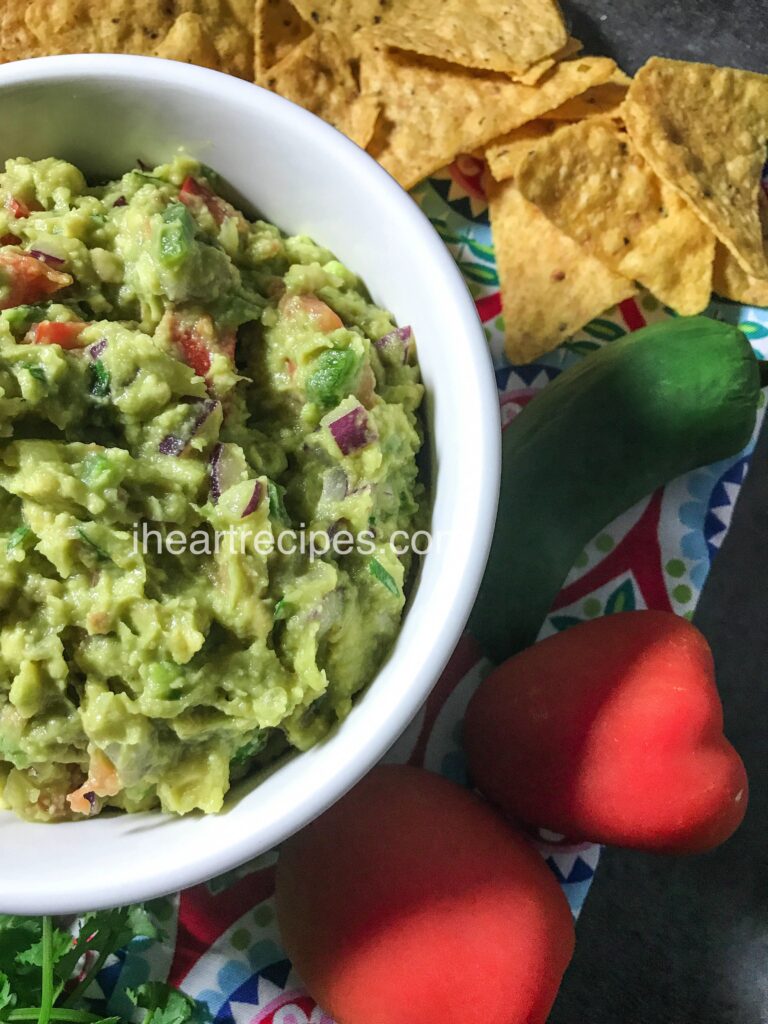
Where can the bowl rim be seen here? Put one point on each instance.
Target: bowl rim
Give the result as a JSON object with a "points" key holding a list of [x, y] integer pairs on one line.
{"points": [[54, 894]]}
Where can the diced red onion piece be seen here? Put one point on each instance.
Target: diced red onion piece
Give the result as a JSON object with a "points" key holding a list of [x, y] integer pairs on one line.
{"points": [[175, 445], [215, 466], [94, 803], [47, 258], [206, 408], [254, 500], [398, 340], [120, 201], [362, 489], [350, 431], [96, 350], [224, 472], [172, 445]]}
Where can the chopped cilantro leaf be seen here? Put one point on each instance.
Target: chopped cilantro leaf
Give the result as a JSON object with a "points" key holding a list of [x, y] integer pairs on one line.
{"points": [[283, 610], [276, 503], [381, 574], [99, 552], [100, 379], [35, 371], [17, 538]]}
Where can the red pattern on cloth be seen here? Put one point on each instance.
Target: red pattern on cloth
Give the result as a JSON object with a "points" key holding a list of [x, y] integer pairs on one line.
{"points": [[205, 916], [630, 311], [639, 553]]}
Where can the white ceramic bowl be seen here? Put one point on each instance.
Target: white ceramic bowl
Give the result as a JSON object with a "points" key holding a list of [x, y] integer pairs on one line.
{"points": [[104, 112]]}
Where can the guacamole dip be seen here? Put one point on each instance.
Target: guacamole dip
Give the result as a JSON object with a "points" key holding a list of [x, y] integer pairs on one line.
{"points": [[186, 396]]}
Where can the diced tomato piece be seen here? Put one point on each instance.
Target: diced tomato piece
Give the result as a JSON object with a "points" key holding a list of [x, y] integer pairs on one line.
{"points": [[49, 332], [19, 208], [321, 314], [10, 239], [192, 187], [198, 341], [102, 780], [28, 279], [192, 191], [188, 335], [196, 354]]}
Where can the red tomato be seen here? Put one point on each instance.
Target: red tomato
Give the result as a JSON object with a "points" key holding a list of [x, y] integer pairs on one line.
{"points": [[28, 280], [611, 731], [19, 208], [67, 336], [319, 312], [193, 335], [196, 337], [192, 190], [411, 902], [195, 353]]}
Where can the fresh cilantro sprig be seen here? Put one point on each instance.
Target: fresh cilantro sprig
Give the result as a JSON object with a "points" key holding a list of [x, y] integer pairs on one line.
{"points": [[39, 961]]}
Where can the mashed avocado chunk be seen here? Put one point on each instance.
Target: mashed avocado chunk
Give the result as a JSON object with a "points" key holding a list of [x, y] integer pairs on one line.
{"points": [[208, 442]]}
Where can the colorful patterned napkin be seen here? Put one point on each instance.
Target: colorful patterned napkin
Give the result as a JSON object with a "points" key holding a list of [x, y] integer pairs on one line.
{"points": [[221, 942]]}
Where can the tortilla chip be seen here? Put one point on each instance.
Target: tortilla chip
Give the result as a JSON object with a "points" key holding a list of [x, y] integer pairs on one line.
{"points": [[591, 183], [318, 75], [620, 77], [343, 17], [16, 40], [143, 27], [674, 257], [433, 111], [534, 73], [537, 71], [504, 155], [601, 99], [188, 40], [492, 35], [731, 282], [704, 131], [550, 287], [278, 29]]}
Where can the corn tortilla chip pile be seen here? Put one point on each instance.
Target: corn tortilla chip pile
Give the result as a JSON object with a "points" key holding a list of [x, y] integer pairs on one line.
{"points": [[656, 180], [433, 111], [594, 186], [599, 184], [443, 76]]}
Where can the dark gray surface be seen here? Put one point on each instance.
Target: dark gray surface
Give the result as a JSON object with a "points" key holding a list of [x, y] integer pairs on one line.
{"points": [[734, 33], [685, 941]]}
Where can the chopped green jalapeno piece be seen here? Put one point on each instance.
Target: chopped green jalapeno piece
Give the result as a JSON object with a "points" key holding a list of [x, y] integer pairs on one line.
{"points": [[176, 235], [332, 377]]}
